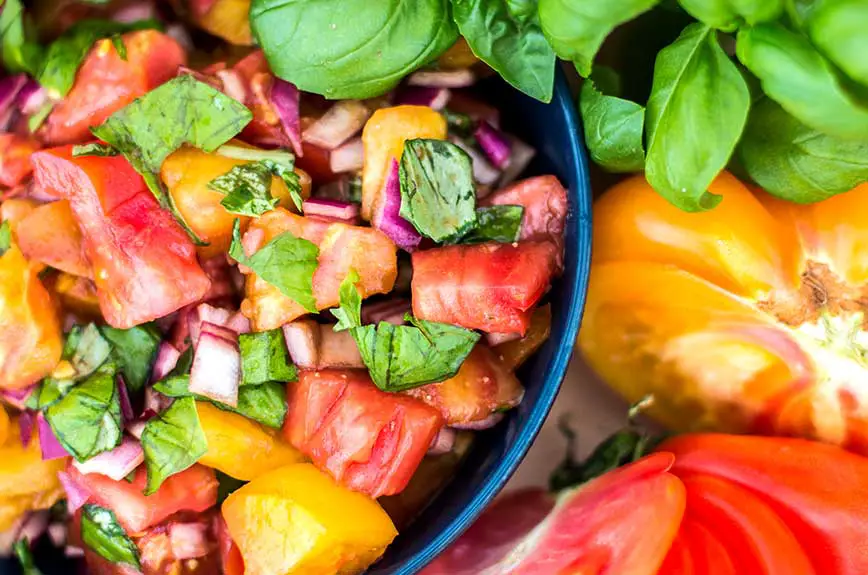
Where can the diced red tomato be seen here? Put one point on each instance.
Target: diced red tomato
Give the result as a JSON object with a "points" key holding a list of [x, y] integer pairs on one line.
{"points": [[144, 265], [256, 79], [369, 440], [490, 287], [481, 387], [230, 554], [50, 235], [105, 83], [15, 153], [316, 162], [370, 252], [194, 489]]}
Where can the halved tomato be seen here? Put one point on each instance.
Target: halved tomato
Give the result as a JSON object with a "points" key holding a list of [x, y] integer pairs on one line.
{"points": [[490, 287], [15, 153], [368, 440], [50, 235], [144, 265], [105, 83]]}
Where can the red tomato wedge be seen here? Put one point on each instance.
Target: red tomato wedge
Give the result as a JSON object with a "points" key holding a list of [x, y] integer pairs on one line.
{"points": [[194, 489], [50, 235], [105, 83], [15, 153], [144, 265], [490, 287], [368, 440], [545, 205]]}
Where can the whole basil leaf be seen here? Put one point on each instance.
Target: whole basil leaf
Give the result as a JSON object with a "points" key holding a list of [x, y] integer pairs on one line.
{"points": [[87, 421], [729, 14], [614, 127], [796, 162], [5, 237], [506, 35], [286, 262], [437, 192], [101, 531], [576, 28], [838, 29], [349, 313], [696, 113], [172, 441], [20, 52], [134, 351], [264, 358], [800, 79], [350, 48], [496, 224], [247, 188]]}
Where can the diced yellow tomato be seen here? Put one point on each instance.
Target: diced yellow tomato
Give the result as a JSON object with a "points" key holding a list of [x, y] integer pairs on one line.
{"points": [[341, 247], [26, 482], [242, 448], [514, 353], [229, 20], [4, 425], [458, 56], [297, 520], [187, 174], [30, 338], [383, 138]]}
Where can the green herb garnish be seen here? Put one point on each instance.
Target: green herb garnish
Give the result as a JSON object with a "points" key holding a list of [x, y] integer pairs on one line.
{"points": [[101, 531], [172, 441]]}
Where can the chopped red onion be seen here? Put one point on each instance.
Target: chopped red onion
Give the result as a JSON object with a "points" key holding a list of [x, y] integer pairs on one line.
{"points": [[443, 78], [17, 397], [206, 313], [219, 331], [338, 349], [522, 155], [302, 342], [117, 463], [155, 402], [10, 86], [340, 123], [188, 540], [34, 526], [435, 98], [483, 171], [390, 311], [48, 443], [333, 209], [216, 371], [136, 428], [239, 323], [233, 85], [126, 405], [348, 157], [73, 552], [495, 339], [76, 494], [443, 442], [10, 537], [495, 144], [26, 420], [481, 424], [57, 532], [285, 100], [387, 217], [31, 98], [180, 334], [167, 359]]}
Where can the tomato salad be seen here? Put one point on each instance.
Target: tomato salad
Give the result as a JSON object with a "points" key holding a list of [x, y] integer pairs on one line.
{"points": [[237, 321]]}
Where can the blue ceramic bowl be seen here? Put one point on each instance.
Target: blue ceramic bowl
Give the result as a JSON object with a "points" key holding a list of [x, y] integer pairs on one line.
{"points": [[554, 131]]}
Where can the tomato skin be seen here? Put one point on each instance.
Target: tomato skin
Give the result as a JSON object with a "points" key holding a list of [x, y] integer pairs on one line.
{"points": [[144, 265], [368, 440], [105, 83], [50, 235], [15, 153], [545, 205], [194, 489], [490, 287]]}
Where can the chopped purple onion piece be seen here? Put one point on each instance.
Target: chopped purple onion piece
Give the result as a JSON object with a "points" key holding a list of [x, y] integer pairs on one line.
{"points": [[435, 98], [286, 101], [495, 144], [388, 218]]}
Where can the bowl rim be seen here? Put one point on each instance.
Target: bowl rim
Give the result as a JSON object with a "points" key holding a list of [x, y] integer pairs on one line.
{"points": [[577, 288]]}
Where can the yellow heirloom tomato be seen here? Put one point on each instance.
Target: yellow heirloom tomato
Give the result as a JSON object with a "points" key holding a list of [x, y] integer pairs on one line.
{"points": [[747, 318], [297, 520], [242, 448]]}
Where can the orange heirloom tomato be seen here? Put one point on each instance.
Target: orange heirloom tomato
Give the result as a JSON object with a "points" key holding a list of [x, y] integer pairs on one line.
{"points": [[297, 520], [30, 337], [50, 235], [227, 19], [77, 295], [749, 317], [15, 153]]}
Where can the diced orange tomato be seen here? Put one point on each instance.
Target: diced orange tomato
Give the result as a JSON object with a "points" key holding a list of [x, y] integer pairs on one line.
{"points": [[227, 19], [50, 235], [514, 353], [15, 153], [144, 265], [342, 247], [240, 447], [490, 287], [30, 337], [187, 174], [481, 387], [297, 520], [194, 489], [383, 137], [105, 83], [14, 210], [390, 432], [458, 56], [77, 295]]}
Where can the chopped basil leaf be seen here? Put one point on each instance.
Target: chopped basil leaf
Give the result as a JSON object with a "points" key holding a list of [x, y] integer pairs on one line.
{"points": [[437, 192], [120, 47], [247, 188], [133, 350], [185, 363], [264, 358], [101, 532], [226, 486], [52, 390], [349, 314], [5, 237], [181, 111], [87, 421], [279, 162], [172, 441], [90, 350], [34, 121], [264, 403], [25, 557], [286, 262], [404, 357], [94, 149], [496, 224], [20, 53], [459, 124]]}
